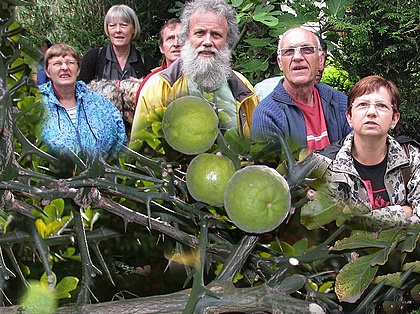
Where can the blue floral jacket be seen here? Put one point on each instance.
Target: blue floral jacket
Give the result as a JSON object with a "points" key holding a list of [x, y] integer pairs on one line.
{"points": [[99, 128]]}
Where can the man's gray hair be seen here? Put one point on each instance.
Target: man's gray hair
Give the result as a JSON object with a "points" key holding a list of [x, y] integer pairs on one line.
{"points": [[218, 6]]}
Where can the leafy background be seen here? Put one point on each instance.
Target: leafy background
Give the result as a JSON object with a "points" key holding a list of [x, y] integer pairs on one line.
{"points": [[364, 38]]}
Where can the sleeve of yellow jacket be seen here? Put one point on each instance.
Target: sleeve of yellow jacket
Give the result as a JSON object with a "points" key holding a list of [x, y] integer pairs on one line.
{"points": [[246, 101]]}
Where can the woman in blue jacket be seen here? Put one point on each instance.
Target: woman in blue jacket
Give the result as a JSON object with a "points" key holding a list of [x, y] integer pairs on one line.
{"points": [[76, 120]]}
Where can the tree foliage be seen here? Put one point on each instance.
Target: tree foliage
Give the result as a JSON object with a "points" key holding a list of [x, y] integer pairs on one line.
{"points": [[310, 260], [382, 38]]}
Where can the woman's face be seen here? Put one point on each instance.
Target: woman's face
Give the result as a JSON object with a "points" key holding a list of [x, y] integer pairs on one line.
{"points": [[63, 70], [372, 114], [120, 33]]}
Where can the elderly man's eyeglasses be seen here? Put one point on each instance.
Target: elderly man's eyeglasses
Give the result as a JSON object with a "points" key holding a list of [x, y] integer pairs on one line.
{"points": [[381, 106], [59, 63], [304, 50]]}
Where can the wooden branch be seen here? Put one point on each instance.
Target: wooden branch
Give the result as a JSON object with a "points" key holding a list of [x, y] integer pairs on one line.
{"points": [[244, 300]]}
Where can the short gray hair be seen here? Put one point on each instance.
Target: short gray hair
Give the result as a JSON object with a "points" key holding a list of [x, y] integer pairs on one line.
{"points": [[124, 13], [218, 6]]}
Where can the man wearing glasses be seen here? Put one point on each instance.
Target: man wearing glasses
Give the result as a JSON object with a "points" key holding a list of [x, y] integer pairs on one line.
{"points": [[308, 115]]}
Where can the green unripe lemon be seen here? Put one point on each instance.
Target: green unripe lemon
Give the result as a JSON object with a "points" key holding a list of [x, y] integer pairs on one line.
{"points": [[39, 300], [207, 177], [190, 125], [257, 199]]}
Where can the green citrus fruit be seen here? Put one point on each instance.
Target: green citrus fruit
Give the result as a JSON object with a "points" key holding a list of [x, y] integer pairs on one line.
{"points": [[207, 177], [190, 125], [39, 299], [257, 199]]}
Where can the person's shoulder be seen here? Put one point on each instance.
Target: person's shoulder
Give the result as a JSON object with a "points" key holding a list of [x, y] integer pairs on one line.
{"points": [[242, 78], [93, 53], [406, 141], [322, 87], [266, 86], [269, 81], [269, 106], [152, 86], [172, 73], [331, 150], [89, 94]]}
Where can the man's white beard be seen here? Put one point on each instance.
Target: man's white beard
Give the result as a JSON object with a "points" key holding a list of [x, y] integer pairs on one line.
{"points": [[208, 73]]}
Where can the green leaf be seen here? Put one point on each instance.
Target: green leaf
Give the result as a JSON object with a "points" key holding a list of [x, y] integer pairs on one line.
{"points": [[391, 235], [54, 210], [237, 3], [69, 252], [337, 7], [415, 293], [236, 143], [300, 247], [320, 211], [54, 226], [254, 65], [263, 9], [393, 280], [247, 7], [326, 286], [292, 283], [382, 255], [263, 15], [268, 20], [41, 227], [359, 241], [44, 280], [288, 249], [353, 279], [407, 266], [66, 285], [259, 42], [409, 244]]}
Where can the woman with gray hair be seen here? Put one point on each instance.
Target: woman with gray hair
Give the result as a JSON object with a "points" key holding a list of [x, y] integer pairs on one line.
{"points": [[120, 59]]}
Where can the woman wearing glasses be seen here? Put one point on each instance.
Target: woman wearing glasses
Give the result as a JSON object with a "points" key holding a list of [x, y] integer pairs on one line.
{"points": [[75, 120], [118, 60], [369, 169]]}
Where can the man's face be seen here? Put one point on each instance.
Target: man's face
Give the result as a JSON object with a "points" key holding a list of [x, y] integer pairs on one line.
{"points": [[170, 43], [208, 31], [300, 67]]}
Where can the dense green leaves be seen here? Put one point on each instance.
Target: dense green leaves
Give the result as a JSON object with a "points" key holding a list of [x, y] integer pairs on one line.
{"points": [[364, 37]]}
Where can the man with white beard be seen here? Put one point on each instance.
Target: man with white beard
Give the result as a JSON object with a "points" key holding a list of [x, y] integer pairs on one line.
{"points": [[209, 31]]}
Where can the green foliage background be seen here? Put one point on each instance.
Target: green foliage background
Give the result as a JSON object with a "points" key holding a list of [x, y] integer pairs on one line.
{"points": [[364, 38]]}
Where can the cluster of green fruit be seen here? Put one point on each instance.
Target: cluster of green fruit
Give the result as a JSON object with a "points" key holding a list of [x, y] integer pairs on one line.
{"points": [[256, 198]]}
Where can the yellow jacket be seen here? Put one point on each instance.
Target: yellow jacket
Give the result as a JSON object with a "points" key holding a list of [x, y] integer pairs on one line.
{"points": [[164, 87]]}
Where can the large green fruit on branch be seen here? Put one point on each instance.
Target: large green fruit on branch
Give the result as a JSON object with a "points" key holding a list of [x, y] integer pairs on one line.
{"points": [[207, 177], [257, 199], [190, 125]]}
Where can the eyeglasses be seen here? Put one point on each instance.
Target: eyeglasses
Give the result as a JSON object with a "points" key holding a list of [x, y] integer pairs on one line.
{"points": [[59, 64], [381, 106], [304, 50]]}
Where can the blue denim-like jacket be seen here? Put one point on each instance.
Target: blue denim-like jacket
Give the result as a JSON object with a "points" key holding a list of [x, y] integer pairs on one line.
{"points": [[99, 129], [277, 114]]}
